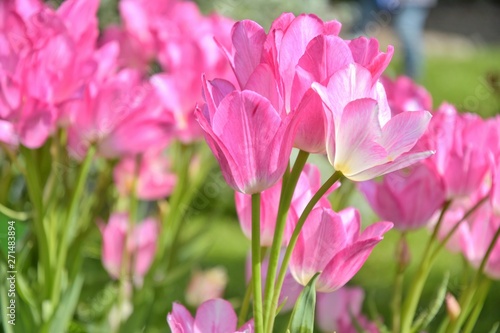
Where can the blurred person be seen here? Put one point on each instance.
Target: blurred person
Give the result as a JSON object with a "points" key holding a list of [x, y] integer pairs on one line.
{"points": [[409, 21]]}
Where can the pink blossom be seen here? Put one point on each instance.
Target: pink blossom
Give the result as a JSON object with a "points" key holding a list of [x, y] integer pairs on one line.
{"points": [[334, 311], [45, 61], [476, 235], [407, 197], [331, 243], [247, 135], [363, 141], [463, 149], [155, 179], [405, 95], [214, 316], [122, 115], [140, 245], [296, 52]]}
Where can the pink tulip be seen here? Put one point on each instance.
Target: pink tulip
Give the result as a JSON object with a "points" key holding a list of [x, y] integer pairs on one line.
{"points": [[140, 245], [213, 316], [46, 62], [405, 95], [308, 184], [463, 150], [407, 197], [331, 243], [7, 134], [155, 179], [122, 115], [476, 236], [296, 52], [334, 311], [247, 135], [363, 141], [495, 189]]}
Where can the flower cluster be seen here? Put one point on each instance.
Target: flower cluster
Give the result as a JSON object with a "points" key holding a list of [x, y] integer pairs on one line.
{"points": [[108, 125]]}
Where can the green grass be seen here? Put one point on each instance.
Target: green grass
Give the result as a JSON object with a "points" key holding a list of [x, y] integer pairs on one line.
{"points": [[462, 80]]}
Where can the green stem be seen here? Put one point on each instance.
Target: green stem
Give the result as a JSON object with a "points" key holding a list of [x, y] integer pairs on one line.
{"points": [[398, 284], [466, 300], [410, 304], [287, 190], [482, 294], [445, 240], [245, 306], [13, 158], [20, 216], [256, 265], [35, 194], [293, 240], [179, 196], [68, 225]]}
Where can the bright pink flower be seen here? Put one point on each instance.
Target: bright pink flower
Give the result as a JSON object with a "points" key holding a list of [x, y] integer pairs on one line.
{"points": [[495, 188], [476, 235], [122, 115], [363, 141], [155, 179], [308, 184], [179, 99], [463, 150], [213, 316], [7, 134], [140, 246], [407, 197], [331, 243], [334, 311], [247, 135], [405, 95], [366, 53]]}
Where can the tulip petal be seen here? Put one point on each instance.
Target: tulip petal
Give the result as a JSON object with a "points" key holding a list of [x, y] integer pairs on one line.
{"points": [[401, 133], [180, 320], [356, 144], [215, 316], [248, 38]]}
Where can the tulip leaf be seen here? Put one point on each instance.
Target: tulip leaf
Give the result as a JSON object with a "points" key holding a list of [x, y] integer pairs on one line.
{"points": [[66, 309], [302, 319], [494, 329], [428, 315]]}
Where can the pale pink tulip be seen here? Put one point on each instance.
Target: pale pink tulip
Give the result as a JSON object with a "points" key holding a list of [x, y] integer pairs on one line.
{"points": [[405, 95], [308, 184], [331, 243], [206, 285], [363, 141], [213, 316], [407, 197], [155, 179], [139, 244], [495, 188], [335, 311], [247, 135]]}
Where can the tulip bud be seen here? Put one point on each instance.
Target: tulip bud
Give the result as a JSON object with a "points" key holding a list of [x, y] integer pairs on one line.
{"points": [[206, 285], [452, 307]]}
